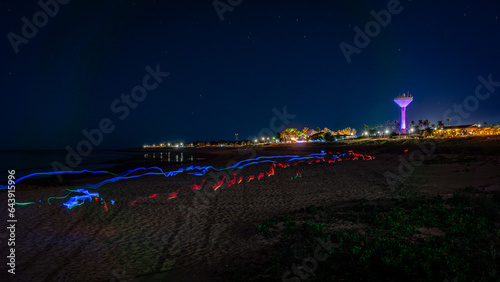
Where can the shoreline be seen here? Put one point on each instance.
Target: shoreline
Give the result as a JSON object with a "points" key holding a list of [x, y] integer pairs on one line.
{"points": [[214, 231], [220, 157]]}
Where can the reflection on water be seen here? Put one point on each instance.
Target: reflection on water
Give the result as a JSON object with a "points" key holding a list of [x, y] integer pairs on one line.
{"points": [[166, 157]]}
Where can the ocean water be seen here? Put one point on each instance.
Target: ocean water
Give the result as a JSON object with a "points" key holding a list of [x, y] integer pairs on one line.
{"points": [[27, 162]]}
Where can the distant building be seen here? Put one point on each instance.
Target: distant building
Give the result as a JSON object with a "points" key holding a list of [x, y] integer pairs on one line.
{"points": [[466, 130]]}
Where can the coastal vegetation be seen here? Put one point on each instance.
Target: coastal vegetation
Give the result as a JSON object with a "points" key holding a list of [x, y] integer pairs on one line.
{"points": [[421, 129], [454, 238]]}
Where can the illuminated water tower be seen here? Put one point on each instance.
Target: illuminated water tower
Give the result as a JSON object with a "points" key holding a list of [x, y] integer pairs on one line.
{"points": [[403, 101]]}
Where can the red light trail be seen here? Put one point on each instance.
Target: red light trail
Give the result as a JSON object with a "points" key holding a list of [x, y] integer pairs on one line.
{"points": [[271, 172]]}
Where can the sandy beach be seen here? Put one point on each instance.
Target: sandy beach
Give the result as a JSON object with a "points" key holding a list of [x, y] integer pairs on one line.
{"points": [[202, 234]]}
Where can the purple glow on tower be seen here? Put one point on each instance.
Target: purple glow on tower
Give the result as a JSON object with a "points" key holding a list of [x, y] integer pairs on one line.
{"points": [[403, 102]]}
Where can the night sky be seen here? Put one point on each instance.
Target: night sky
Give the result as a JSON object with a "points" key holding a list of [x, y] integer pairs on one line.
{"points": [[226, 76]]}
